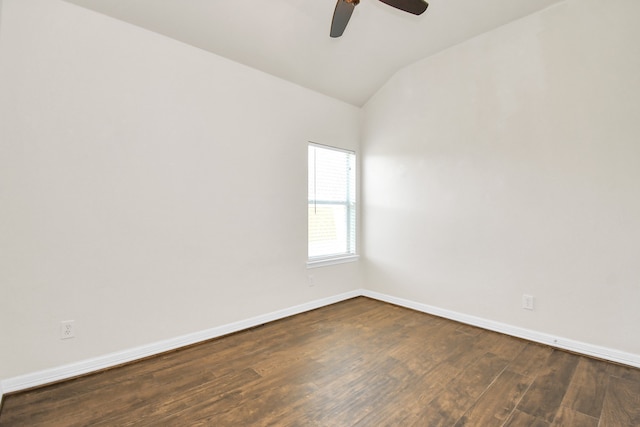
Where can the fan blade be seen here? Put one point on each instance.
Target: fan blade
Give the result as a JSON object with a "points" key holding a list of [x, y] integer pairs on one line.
{"points": [[417, 7], [341, 16]]}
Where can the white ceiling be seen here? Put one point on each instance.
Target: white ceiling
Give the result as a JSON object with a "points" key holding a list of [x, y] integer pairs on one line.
{"points": [[290, 38]]}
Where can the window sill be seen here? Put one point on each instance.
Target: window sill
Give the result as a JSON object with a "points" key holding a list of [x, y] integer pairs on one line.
{"points": [[323, 262]]}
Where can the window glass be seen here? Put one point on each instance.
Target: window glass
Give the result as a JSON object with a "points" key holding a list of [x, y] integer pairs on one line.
{"points": [[332, 202]]}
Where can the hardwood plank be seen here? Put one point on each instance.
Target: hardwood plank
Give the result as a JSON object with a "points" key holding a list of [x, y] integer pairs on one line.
{"points": [[407, 406], [626, 372], [532, 357], [470, 330], [621, 403], [460, 349], [567, 417], [462, 392], [346, 403], [548, 389], [184, 403], [507, 347], [586, 391], [496, 404], [522, 419], [246, 405]]}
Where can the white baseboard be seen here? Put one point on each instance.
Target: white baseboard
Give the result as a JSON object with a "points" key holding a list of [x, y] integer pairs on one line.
{"points": [[72, 370], [539, 337]]}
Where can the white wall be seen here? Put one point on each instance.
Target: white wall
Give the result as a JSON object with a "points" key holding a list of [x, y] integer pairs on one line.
{"points": [[148, 189], [505, 165], [510, 164]]}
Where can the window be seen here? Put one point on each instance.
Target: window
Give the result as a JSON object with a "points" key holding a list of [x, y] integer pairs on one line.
{"points": [[332, 205]]}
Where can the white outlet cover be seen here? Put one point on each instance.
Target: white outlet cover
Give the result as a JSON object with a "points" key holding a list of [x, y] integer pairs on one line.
{"points": [[527, 302], [67, 329]]}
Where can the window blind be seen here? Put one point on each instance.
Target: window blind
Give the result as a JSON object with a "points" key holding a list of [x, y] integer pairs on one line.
{"points": [[332, 202]]}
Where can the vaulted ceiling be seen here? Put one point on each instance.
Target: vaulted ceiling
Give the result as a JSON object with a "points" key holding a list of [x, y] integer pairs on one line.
{"points": [[290, 38]]}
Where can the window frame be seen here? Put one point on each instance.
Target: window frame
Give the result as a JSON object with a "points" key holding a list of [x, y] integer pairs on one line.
{"points": [[351, 215]]}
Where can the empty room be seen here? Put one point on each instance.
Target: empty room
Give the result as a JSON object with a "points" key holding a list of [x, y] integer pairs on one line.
{"points": [[310, 213]]}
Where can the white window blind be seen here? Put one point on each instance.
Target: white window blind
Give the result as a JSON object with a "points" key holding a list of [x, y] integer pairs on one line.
{"points": [[332, 202]]}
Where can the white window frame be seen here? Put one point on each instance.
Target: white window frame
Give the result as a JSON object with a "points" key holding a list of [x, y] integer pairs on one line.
{"points": [[352, 220]]}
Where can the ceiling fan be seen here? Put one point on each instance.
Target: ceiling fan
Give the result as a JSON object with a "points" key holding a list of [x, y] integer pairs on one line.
{"points": [[344, 9]]}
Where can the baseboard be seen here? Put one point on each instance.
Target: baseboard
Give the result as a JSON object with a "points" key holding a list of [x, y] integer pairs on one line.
{"points": [[72, 370], [503, 328]]}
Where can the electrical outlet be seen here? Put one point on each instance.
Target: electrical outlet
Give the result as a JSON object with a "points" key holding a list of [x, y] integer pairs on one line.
{"points": [[67, 329], [527, 302], [310, 281]]}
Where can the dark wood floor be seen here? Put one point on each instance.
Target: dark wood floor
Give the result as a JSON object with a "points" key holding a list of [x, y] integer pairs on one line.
{"points": [[356, 363]]}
